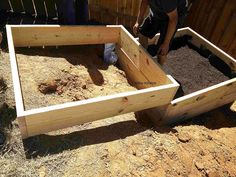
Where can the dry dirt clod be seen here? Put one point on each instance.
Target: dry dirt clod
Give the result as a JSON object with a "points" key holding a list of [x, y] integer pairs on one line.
{"points": [[47, 88], [199, 165], [184, 137], [78, 97]]}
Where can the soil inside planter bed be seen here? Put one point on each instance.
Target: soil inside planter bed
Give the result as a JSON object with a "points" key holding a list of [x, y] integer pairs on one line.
{"points": [[193, 71], [53, 76]]}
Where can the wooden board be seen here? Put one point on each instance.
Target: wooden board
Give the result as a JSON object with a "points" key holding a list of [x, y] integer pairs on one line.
{"points": [[56, 117], [141, 59], [201, 101], [17, 6], [29, 7], [43, 120], [40, 8], [15, 72], [133, 73], [63, 35]]}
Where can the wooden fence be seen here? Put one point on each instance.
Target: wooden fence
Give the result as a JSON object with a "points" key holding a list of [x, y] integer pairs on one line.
{"points": [[214, 19], [46, 8]]}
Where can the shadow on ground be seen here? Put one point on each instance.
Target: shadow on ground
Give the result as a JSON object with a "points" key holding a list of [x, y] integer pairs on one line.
{"points": [[46, 144], [43, 145], [71, 54]]}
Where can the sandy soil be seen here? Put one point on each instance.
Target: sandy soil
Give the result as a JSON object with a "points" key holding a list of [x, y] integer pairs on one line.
{"points": [[119, 146], [193, 71]]}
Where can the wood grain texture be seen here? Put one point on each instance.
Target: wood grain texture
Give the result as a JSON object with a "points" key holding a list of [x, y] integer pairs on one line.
{"points": [[70, 114], [141, 59], [200, 102], [52, 35]]}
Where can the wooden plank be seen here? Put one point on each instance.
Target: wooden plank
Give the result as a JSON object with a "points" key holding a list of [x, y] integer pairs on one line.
{"points": [[55, 35], [198, 40], [108, 11], [23, 127], [222, 22], [29, 7], [135, 77], [232, 49], [17, 6], [230, 33], [40, 8], [51, 8], [202, 101], [61, 116], [15, 72], [214, 15], [141, 58]]}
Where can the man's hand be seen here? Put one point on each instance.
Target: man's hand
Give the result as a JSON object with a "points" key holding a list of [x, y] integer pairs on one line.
{"points": [[164, 49], [136, 28]]}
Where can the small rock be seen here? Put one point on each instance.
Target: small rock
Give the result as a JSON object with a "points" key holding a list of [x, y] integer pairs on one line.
{"points": [[84, 86], [184, 137], [199, 165]]}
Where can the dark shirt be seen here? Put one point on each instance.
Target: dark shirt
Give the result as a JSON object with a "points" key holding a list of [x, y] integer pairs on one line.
{"points": [[160, 8]]}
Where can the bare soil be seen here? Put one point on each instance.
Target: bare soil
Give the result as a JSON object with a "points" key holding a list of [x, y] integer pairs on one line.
{"points": [[53, 76], [192, 71], [117, 146]]}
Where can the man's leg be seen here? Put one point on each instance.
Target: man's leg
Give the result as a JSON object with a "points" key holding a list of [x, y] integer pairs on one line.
{"points": [[163, 30], [143, 40], [146, 30]]}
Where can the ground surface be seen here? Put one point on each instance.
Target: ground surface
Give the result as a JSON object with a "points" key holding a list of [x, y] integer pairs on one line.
{"points": [[193, 71], [118, 146]]}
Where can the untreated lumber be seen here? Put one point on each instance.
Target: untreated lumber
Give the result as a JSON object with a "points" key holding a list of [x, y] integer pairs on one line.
{"points": [[55, 35]]}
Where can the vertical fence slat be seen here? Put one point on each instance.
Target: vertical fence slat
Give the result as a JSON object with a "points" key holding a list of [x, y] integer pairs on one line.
{"points": [[229, 34], [50, 5], [28, 6], [40, 8], [17, 6], [222, 22]]}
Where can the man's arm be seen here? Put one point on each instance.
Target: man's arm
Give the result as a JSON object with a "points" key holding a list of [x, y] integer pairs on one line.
{"points": [[172, 24], [142, 10]]}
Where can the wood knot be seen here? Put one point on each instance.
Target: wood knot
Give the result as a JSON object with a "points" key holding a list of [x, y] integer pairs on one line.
{"points": [[125, 99]]}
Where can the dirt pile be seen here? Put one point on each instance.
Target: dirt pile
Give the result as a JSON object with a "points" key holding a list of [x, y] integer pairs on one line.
{"points": [[192, 71]]}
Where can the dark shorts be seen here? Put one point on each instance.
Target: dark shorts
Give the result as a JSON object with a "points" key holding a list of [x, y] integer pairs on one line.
{"points": [[152, 25]]}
